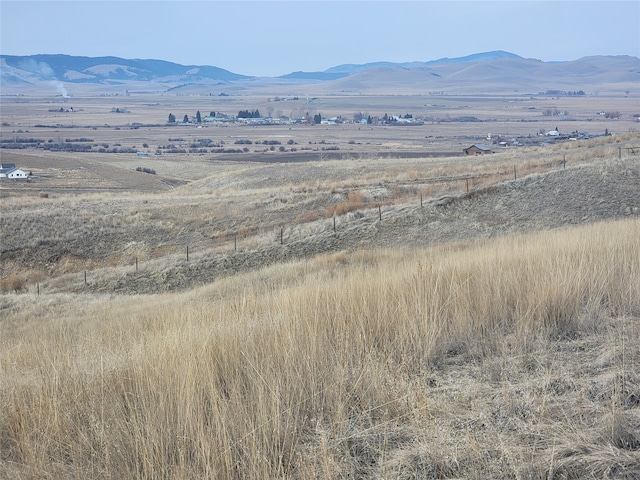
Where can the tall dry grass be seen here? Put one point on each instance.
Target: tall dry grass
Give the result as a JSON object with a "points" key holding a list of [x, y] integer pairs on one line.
{"points": [[326, 368]]}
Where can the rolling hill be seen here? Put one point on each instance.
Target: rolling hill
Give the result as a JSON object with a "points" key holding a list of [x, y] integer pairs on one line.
{"points": [[488, 72], [74, 69]]}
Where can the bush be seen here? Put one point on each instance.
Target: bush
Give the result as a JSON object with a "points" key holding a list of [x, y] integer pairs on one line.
{"points": [[146, 170], [12, 283]]}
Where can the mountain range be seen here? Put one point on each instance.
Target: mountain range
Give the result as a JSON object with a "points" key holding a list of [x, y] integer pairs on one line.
{"points": [[478, 73]]}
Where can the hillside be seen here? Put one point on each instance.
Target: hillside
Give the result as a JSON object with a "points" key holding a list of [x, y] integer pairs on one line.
{"points": [[479, 73], [275, 212], [36, 69], [456, 317], [527, 76]]}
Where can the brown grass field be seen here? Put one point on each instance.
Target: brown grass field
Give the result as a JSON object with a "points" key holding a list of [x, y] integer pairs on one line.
{"points": [[389, 309]]}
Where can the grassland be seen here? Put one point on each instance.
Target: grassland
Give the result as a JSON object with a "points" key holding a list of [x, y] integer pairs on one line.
{"points": [[364, 316], [512, 358]]}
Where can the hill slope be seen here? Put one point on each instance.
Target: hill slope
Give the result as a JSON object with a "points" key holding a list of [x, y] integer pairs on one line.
{"points": [[75, 69], [158, 233], [479, 73]]}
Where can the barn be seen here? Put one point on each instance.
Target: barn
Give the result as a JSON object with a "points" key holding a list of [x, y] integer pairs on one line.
{"points": [[477, 149]]}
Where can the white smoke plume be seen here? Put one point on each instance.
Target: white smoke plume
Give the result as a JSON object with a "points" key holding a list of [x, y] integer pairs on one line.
{"points": [[61, 90]]}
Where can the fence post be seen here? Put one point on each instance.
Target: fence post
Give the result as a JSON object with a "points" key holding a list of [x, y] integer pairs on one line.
{"points": [[619, 152], [136, 264], [467, 185], [514, 173], [421, 199], [380, 212], [281, 235], [564, 162], [85, 277], [38, 285], [235, 243], [334, 224], [187, 253]]}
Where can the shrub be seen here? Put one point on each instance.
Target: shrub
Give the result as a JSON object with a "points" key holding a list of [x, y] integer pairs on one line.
{"points": [[146, 170], [12, 283]]}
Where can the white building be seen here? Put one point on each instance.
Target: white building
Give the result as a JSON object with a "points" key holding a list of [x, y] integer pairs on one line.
{"points": [[9, 170]]}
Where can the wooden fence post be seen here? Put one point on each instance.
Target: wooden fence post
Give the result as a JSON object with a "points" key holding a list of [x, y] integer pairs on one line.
{"points": [[187, 253], [85, 277], [515, 177], [136, 264], [467, 185], [281, 235], [380, 212], [334, 224], [235, 243]]}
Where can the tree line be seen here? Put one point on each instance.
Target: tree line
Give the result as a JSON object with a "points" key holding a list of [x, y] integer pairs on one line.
{"points": [[198, 116]]}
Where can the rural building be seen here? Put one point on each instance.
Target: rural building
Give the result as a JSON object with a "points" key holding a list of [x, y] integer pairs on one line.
{"points": [[477, 149], [9, 170]]}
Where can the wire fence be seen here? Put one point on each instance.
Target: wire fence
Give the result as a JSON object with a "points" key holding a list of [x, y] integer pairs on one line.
{"points": [[417, 192]]}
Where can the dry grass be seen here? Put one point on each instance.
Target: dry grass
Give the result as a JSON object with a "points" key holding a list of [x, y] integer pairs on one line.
{"points": [[511, 358], [246, 209], [12, 283], [515, 357]]}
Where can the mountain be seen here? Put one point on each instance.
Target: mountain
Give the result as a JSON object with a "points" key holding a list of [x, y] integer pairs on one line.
{"points": [[66, 68], [513, 74], [488, 72], [341, 71]]}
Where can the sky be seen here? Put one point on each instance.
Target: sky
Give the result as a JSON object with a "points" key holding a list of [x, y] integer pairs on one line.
{"points": [[276, 37]]}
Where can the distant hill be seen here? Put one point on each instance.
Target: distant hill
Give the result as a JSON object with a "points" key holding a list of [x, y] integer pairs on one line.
{"points": [[509, 73], [66, 68], [341, 71], [488, 72]]}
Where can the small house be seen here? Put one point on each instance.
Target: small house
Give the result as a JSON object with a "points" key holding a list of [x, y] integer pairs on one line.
{"points": [[477, 149], [9, 170]]}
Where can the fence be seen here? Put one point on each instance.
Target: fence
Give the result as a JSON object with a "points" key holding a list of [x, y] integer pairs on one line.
{"points": [[416, 190]]}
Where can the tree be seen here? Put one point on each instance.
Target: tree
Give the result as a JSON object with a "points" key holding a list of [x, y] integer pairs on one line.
{"points": [[198, 117], [212, 114], [172, 118], [185, 119], [317, 118], [249, 114]]}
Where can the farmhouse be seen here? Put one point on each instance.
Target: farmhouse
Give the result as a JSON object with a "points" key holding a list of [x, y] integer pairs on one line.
{"points": [[477, 149], [9, 170]]}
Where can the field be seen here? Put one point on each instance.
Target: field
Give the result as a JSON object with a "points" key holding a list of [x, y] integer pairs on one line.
{"points": [[359, 301]]}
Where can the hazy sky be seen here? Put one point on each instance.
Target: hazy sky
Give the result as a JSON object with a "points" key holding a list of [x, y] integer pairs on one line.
{"points": [[270, 38]]}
